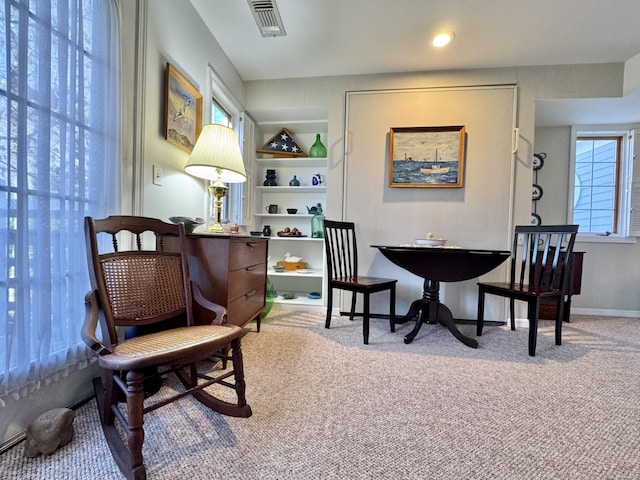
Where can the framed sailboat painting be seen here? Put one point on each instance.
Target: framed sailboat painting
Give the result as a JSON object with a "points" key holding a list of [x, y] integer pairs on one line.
{"points": [[426, 156]]}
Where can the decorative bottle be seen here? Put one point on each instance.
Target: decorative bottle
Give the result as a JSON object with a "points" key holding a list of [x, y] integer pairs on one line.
{"points": [[318, 150], [266, 231], [294, 182], [317, 223]]}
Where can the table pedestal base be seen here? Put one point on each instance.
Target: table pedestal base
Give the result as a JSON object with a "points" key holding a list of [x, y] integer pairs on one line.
{"points": [[429, 309]]}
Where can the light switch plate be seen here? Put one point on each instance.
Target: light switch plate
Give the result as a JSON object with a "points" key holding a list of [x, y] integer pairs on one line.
{"points": [[157, 175]]}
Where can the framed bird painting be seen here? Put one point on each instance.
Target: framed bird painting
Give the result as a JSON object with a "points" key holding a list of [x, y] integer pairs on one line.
{"points": [[183, 110]]}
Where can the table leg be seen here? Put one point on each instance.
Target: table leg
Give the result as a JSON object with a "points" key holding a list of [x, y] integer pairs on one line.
{"points": [[433, 311], [414, 310]]}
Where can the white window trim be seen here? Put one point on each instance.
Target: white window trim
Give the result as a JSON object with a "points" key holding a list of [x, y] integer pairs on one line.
{"points": [[628, 204]]}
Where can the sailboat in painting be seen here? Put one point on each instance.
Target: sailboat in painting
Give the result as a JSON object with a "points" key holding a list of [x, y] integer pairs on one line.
{"points": [[434, 167]]}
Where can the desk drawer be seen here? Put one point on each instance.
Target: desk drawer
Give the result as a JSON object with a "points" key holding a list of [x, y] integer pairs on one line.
{"points": [[247, 279], [246, 307], [247, 252]]}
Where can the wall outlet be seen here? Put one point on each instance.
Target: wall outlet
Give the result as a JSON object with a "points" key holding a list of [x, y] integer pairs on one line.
{"points": [[157, 175]]}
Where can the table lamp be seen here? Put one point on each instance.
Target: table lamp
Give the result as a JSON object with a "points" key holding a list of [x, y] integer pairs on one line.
{"points": [[216, 156]]}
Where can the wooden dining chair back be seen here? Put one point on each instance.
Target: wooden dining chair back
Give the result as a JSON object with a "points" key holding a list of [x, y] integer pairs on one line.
{"points": [[144, 283], [537, 273], [342, 273]]}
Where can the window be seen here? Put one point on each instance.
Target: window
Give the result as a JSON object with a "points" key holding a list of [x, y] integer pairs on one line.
{"points": [[225, 111], [59, 157], [219, 115], [601, 182]]}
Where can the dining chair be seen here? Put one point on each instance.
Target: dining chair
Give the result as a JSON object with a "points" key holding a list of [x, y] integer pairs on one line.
{"points": [[342, 273], [139, 275], [536, 273]]}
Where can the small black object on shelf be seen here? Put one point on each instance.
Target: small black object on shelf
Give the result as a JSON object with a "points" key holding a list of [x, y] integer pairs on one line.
{"points": [[270, 181]]}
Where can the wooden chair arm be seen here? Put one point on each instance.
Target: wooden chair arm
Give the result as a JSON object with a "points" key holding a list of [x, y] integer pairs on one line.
{"points": [[90, 324], [203, 309]]}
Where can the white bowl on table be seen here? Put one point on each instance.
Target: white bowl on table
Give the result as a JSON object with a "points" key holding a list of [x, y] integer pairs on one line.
{"points": [[431, 242]]}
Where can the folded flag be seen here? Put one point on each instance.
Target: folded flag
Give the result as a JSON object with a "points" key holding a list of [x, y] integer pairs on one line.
{"points": [[282, 144]]}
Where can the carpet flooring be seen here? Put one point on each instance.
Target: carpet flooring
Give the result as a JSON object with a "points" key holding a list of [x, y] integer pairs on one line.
{"points": [[325, 406]]}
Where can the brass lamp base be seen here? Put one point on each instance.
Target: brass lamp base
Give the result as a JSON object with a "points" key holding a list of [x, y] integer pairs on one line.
{"points": [[217, 191]]}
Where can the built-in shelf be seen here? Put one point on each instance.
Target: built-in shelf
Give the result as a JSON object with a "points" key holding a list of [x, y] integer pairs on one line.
{"points": [[298, 239], [293, 273], [292, 162], [282, 215], [301, 299], [304, 123], [305, 189]]}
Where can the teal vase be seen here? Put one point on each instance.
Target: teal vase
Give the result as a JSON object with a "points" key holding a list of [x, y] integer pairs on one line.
{"points": [[271, 294], [318, 150]]}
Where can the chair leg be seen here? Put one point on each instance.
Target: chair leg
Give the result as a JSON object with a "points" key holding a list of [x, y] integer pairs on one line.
{"points": [[238, 368], [480, 320], [560, 313], [193, 373], [111, 396], [512, 313], [365, 319], [327, 322], [392, 308], [236, 409], [533, 312], [135, 432], [123, 455], [352, 312], [567, 309]]}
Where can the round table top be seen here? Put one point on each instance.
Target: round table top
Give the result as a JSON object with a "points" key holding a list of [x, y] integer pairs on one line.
{"points": [[444, 264]]}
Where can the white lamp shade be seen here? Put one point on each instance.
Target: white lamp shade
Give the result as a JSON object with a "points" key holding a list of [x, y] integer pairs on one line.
{"points": [[216, 156]]}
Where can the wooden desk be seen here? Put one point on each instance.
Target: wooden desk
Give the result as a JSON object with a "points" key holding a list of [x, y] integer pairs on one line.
{"points": [[231, 271], [548, 308]]}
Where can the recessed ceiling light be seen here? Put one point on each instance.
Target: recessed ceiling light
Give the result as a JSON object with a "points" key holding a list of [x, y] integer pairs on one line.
{"points": [[443, 39]]}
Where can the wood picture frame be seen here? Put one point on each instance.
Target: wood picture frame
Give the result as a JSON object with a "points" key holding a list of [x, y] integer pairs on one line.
{"points": [[183, 110], [426, 157]]}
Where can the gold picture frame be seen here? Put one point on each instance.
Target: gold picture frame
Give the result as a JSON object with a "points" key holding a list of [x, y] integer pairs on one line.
{"points": [[183, 110], [426, 157]]}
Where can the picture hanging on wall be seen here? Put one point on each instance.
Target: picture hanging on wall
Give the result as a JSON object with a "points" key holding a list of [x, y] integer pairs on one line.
{"points": [[183, 110], [425, 157]]}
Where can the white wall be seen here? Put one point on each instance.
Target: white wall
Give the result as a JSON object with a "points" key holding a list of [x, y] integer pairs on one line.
{"points": [[602, 285], [632, 75], [553, 177], [176, 34], [386, 215]]}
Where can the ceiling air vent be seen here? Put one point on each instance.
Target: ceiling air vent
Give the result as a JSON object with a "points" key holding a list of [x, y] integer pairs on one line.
{"points": [[267, 17]]}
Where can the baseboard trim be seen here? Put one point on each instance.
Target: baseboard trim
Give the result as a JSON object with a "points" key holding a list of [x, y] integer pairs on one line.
{"points": [[603, 312]]}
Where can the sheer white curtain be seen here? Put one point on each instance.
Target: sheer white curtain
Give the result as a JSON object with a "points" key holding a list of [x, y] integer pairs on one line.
{"points": [[59, 161]]}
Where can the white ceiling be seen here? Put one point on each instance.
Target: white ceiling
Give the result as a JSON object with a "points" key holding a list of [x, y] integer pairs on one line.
{"points": [[348, 37]]}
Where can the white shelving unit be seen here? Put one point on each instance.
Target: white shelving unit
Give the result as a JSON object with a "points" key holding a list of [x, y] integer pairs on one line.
{"points": [[300, 197]]}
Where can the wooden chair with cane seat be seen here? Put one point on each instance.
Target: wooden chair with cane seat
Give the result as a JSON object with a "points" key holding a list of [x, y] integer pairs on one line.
{"points": [[342, 273], [536, 274], [148, 286]]}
